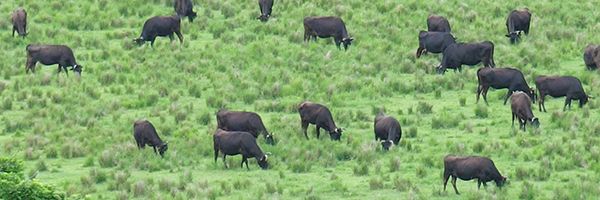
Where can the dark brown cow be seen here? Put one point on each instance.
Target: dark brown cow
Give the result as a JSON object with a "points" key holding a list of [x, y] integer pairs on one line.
{"points": [[319, 115], [19, 21], [238, 142], [559, 86], [471, 167], [388, 130], [144, 133], [437, 23], [50, 55], [434, 42], [520, 104], [591, 56], [266, 7], [243, 121], [499, 78], [517, 21], [325, 27], [160, 26], [455, 55], [185, 8]]}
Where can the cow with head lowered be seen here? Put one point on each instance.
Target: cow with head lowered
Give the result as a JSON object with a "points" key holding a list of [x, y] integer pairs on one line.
{"points": [[437, 23], [560, 86], [243, 121], [434, 42], [325, 27], [160, 26], [499, 78], [591, 57], [145, 134], [388, 130], [238, 142], [471, 167], [19, 21], [520, 104], [517, 21], [185, 8], [266, 7], [456, 55], [320, 116], [50, 55]]}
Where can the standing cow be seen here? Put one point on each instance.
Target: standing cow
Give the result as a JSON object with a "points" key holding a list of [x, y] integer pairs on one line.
{"points": [[455, 55], [238, 142], [520, 104], [265, 9], [434, 42], [388, 130], [19, 21], [559, 86], [160, 26], [145, 134], [320, 116], [243, 121], [471, 167], [50, 55], [499, 78], [437, 23], [591, 56], [185, 8], [517, 21], [325, 27]]}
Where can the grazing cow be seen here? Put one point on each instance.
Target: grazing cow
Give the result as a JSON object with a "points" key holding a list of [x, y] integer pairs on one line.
{"points": [[238, 142], [520, 104], [185, 8], [160, 26], [265, 9], [559, 86], [50, 55], [517, 21], [499, 78], [19, 21], [243, 121], [455, 55], [434, 42], [437, 23], [145, 134], [388, 130], [591, 56], [320, 116], [471, 167], [325, 27]]}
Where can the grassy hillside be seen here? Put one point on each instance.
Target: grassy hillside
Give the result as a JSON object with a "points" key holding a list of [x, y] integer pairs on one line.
{"points": [[78, 132]]}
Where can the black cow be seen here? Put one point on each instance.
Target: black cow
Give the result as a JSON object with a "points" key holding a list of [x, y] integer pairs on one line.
{"points": [[388, 130], [455, 55], [559, 86], [320, 116], [265, 9], [243, 121], [434, 42], [238, 142], [471, 167], [499, 78], [325, 27], [160, 26], [19, 21], [591, 56], [50, 55], [520, 104], [185, 8], [145, 134], [517, 21], [437, 23]]}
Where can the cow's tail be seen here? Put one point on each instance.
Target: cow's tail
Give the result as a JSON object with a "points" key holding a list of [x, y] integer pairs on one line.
{"points": [[391, 134]]}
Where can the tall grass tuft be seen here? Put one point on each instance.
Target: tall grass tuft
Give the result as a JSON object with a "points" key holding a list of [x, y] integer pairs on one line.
{"points": [[424, 108], [481, 111]]}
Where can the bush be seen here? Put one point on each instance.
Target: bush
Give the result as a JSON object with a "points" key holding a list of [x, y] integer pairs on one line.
{"points": [[13, 185], [481, 111], [424, 108]]}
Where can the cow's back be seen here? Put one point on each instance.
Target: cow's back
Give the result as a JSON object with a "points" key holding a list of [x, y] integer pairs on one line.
{"points": [[437, 23], [311, 112], [325, 26], [557, 86], [386, 124], [143, 127], [588, 56]]}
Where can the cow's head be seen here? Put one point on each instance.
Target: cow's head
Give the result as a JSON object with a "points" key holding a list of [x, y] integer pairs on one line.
{"points": [[386, 144], [584, 100], [163, 148], [347, 42], [532, 94], [77, 69], [336, 134], [263, 18], [270, 139], [139, 40], [439, 69], [514, 36], [500, 182], [263, 161], [535, 122]]}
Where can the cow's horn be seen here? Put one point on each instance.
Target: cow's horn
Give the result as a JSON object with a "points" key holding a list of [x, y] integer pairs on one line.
{"points": [[266, 157], [533, 119], [590, 96], [268, 153], [167, 142], [382, 141]]}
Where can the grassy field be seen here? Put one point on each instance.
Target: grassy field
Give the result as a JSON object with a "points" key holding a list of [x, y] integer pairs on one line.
{"points": [[78, 132]]}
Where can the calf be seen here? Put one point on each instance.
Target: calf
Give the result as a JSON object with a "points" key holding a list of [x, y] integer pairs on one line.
{"points": [[238, 142], [19, 21], [471, 167], [517, 21], [265, 9], [185, 8], [243, 121], [144, 133], [455, 55], [388, 130], [50, 55], [502, 78], [325, 27], [591, 56], [434, 42], [559, 86], [160, 26], [320, 116], [520, 104], [437, 23]]}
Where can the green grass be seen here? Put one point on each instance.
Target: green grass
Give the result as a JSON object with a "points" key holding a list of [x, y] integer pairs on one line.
{"points": [[78, 132]]}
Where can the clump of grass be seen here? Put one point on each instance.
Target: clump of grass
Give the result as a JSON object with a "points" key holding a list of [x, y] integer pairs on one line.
{"points": [[41, 165], [165, 184], [421, 171], [98, 176], [107, 159], [444, 122], [481, 111], [30, 154], [241, 184], [403, 185], [140, 189], [51, 152], [395, 164], [300, 166], [528, 192], [462, 101], [521, 174], [478, 147], [361, 169], [411, 133], [338, 186], [424, 108], [375, 183]]}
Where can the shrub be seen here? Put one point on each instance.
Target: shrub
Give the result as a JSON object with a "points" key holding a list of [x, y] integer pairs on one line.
{"points": [[521, 174], [481, 111], [395, 164], [361, 169], [14, 186], [424, 108], [375, 183]]}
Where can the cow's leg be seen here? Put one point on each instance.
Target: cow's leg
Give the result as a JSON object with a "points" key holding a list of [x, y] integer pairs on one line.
{"points": [[454, 184], [338, 41], [567, 102], [485, 90], [171, 37], [216, 153], [245, 160], [541, 102], [513, 119], [223, 158], [180, 36], [156, 153], [30, 65], [304, 127], [446, 176], [14, 29], [318, 131], [510, 92], [420, 51], [478, 184]]}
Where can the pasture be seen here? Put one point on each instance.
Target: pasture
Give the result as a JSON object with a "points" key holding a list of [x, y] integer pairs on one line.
{"points": [[79, 132]]}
